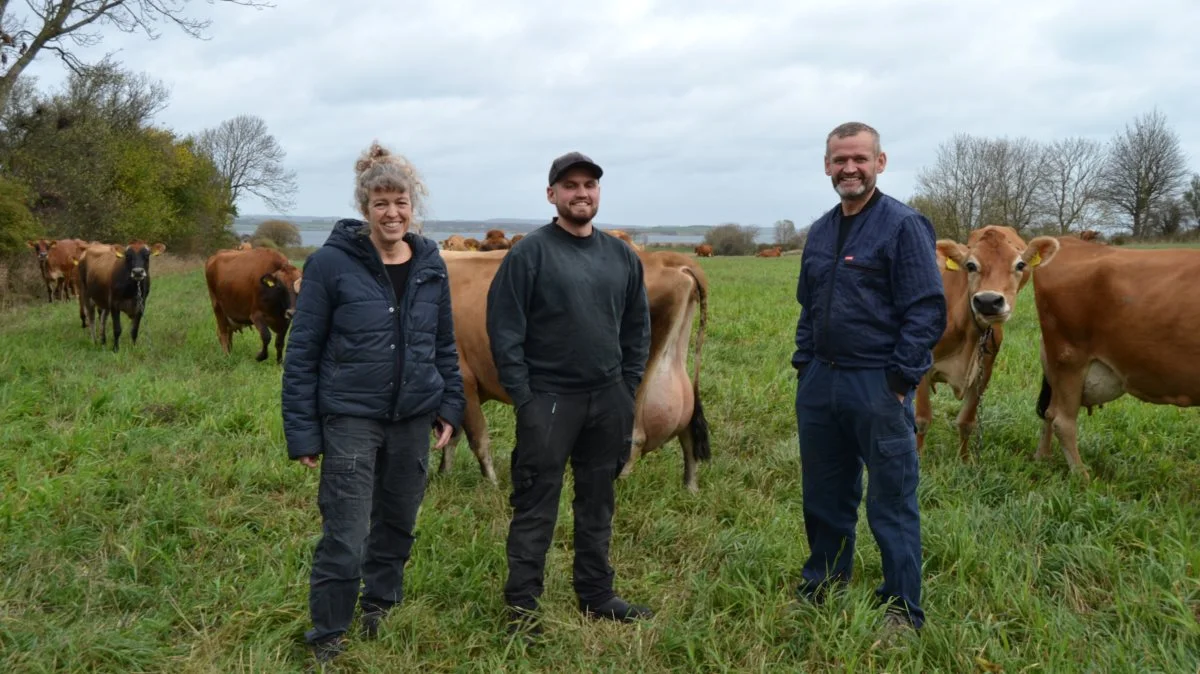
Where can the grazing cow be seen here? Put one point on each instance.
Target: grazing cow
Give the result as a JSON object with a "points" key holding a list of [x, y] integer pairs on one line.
{"points": [[777, 251], [981, 281], [494, 240], [454, 242], [515, 239], [252, 288], [1114, 321], [115, 279], [704, 250], [667, 403]]}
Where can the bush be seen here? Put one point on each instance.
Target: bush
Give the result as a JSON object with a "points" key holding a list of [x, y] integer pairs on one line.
{"points": [[17, 224], [281, 232], [731, 239]]}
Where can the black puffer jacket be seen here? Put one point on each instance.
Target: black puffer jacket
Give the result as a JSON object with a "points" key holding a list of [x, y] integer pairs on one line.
{"points": [[341, 356]]}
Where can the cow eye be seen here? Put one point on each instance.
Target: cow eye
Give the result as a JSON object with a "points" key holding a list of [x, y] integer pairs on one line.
{"points": [[972, 267], [1020, 265]]}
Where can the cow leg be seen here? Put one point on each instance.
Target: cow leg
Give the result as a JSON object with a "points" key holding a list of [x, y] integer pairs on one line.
{"points": [[137, 324], [279, 339], [475, 424], [690, 480], [224, 331], [924, 413], [116, 319], [967, 423], [104, 326], [49, 291], [637, 446], [264, 334], [1062, 416]]}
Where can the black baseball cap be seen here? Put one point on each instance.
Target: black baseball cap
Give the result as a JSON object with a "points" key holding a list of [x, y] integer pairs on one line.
{"points": [[571, 160]]}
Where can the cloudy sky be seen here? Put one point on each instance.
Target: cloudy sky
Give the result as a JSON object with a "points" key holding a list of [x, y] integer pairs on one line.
{"points": [[699, 113]]}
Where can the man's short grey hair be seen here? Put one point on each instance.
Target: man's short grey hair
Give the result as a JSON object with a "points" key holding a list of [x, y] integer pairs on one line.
{"points": [[852, 129], [378, 168]]}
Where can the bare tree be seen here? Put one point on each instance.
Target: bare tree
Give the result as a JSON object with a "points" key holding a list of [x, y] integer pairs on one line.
{"points": [[1072, 181], [959, 182], [1017, 174], [48, 25], [1191, 200], [1145, 168], [785, 232], [250, 160]]}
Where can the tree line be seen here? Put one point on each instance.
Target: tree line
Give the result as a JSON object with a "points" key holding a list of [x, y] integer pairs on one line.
{"points": [[1138, 182]]}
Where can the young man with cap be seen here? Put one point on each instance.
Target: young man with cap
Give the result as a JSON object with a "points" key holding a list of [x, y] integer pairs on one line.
{"points": [[569, 323]]}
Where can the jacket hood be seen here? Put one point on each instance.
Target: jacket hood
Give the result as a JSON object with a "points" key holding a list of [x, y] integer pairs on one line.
{"points": [[352, 236]]}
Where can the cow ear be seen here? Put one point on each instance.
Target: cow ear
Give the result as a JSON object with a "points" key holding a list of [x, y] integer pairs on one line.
{"points": [[118, 251], [268, 280], [951, 254], [296, 285], [1040, 251], [158, 249], [31, 244], [52, 244]]}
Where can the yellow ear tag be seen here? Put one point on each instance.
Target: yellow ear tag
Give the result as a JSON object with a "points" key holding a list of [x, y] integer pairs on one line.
{"points": [[120, 256], [270, 283], [1035, 260], [952, 265]]}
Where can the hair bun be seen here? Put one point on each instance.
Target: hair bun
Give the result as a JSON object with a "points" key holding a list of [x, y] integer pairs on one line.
{"points": [[376, 151]]}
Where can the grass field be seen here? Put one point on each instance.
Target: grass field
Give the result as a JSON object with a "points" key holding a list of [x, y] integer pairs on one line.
{"points": [[150, 521]]}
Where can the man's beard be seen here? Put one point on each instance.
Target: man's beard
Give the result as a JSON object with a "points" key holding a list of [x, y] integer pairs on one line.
{"points": [[565, 215], [864, 186]]}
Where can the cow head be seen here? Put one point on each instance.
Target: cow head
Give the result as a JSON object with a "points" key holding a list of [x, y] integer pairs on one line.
{"points": [[279, 290], [136, 257], [41, 247], [997, 264]]}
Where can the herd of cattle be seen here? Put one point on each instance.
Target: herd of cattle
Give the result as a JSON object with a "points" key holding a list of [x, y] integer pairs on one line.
{"points": [[1113, 321]]}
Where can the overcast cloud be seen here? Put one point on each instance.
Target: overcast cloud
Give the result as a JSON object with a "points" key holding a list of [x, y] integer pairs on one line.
{"points": [[699, 113]]}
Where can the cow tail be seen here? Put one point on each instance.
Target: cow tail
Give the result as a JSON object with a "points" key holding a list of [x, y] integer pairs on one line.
{"points": [[698, 426], [1043, 402]]}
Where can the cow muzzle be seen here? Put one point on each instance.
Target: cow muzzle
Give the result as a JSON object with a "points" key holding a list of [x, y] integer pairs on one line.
{"points": [[289, 313], [991, 306], [138, 274]]}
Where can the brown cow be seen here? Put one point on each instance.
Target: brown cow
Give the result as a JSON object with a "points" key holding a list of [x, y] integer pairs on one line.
{"points": [[245, 245], [777, 251], [115, 279], [624, 236], [516, 237], [255, 287], [704, 250], [981, 281], [667, 404], [1114, 321], [471, 244], [454, 242], [494, 240], [56, 261]]}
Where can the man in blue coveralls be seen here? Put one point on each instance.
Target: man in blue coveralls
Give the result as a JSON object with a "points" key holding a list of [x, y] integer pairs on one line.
{"points": [[873, 308]]}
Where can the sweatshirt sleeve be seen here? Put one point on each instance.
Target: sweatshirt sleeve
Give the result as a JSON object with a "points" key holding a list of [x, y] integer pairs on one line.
{"points": [[302, 362], [635, 327], [507, 313]]}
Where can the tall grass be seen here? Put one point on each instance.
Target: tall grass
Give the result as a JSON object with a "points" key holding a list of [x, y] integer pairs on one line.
{"points": [[150, 521]]}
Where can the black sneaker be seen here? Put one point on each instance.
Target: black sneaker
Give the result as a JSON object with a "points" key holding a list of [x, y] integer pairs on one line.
{"points": [[328, 649], [370, 624], [524, 623], [617, 609]]}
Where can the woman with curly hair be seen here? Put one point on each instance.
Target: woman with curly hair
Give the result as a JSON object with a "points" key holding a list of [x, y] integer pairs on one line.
{"points": [[371, 367]]}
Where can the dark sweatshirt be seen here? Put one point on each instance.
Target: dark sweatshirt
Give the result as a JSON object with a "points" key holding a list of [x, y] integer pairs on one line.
{"points": [[568, 314]]}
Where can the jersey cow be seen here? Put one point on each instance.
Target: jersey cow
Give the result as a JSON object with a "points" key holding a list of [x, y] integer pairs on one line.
{"points": [[257, 288], [56, 262], [703, 250], [667, 404], [1114, 321], [115, 280], [981, 281]]}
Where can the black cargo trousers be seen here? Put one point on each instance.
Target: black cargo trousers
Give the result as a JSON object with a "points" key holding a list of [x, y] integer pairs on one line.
{"points": [[594, 430]]}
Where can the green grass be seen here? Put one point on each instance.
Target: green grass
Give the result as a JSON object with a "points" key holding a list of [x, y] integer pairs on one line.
{"points": [[150, 521]]}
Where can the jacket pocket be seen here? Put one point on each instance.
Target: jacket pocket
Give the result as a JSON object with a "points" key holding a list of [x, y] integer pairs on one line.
{"points": [[865, 267]]}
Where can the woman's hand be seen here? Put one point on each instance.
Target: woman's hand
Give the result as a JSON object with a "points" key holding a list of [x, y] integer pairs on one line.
{"points": [[444, 430]]}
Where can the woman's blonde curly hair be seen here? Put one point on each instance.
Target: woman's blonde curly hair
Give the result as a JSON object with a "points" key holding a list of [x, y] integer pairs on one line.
{"points": [[378, 168]]}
